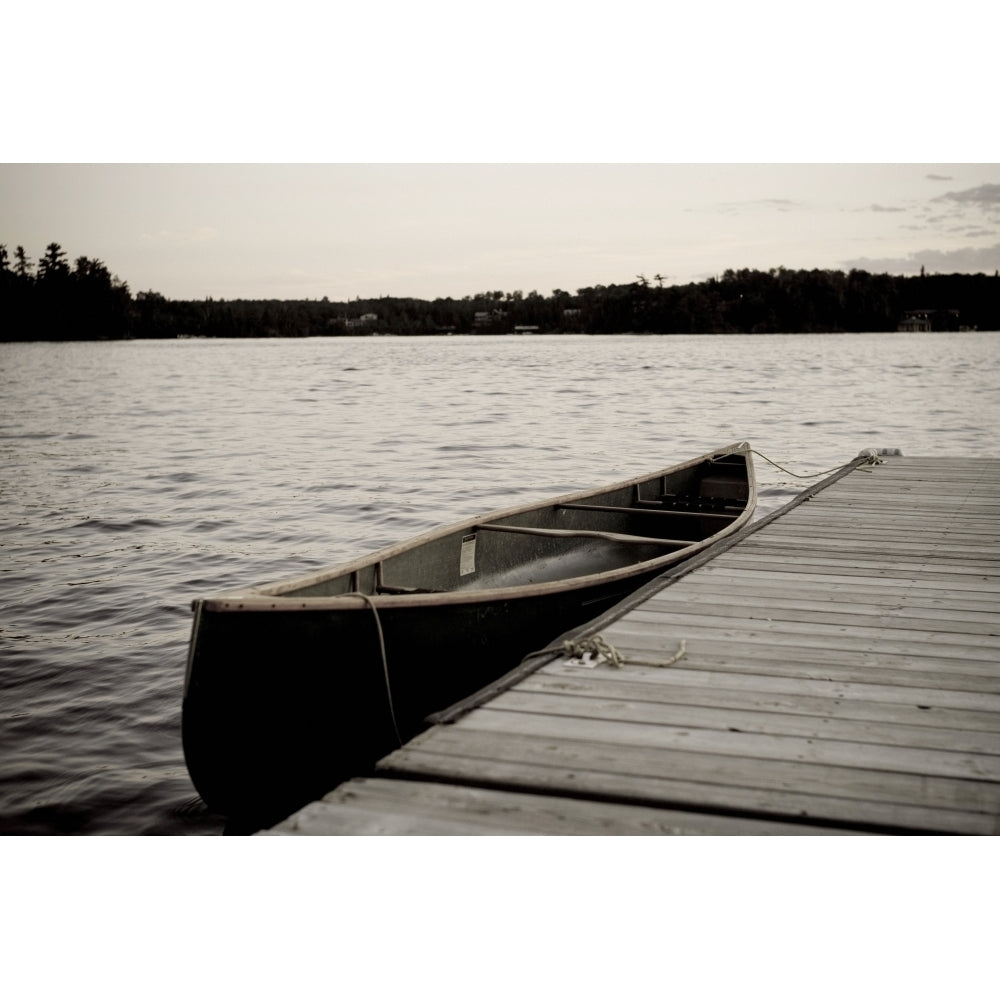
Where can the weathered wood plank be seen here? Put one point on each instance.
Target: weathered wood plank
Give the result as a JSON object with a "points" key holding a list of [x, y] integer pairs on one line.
{"points": [[791, 610], [911, 760], [944, 607], [963, 510], [978, 587], [874, 685], [912, 484], [866, 566], [800, 802], [674, 627], [666, 612], [323, 819], [380, 806], [952, 684], [898, 555], [914, 546], [718, 772], [606, 684], [978, 545], [957, 577], [878, 508], [869, 518], [779, 656], [764, 588], [943, 558], [742, 720], [978, 551]]}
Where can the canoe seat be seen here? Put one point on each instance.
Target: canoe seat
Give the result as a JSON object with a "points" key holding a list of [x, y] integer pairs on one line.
{"points": [[381, 587], [608, 536]]}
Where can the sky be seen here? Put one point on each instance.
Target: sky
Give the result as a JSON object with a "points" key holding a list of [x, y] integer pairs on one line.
{"points": [[439, 150], [437, 230], [445, 148]]}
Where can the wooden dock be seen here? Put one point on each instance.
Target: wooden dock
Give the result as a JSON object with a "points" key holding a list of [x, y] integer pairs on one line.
{"points": [[839, 673]]}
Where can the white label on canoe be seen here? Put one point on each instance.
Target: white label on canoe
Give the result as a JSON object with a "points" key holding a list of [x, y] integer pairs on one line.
{"points": [[467, 564]]}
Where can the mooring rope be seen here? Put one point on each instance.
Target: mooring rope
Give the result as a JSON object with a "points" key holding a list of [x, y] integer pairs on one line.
{"points": [[871, 454], [596, 644], [385, 661], [873, 460], [603, 650]]}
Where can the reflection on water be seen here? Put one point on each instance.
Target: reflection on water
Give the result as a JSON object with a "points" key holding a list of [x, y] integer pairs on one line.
{"points": [[140, 475]]}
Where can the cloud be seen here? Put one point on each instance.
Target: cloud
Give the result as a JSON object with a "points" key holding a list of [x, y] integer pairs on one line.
{"points": [[967, 260], [986, 195], [937, 177], [885, 208]]}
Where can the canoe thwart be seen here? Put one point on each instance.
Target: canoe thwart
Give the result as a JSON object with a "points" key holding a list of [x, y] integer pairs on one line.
{"points": [[645, 507], [607, 536]]}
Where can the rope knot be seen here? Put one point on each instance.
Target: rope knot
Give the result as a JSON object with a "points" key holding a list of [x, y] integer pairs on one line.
{"points": [[590, 652], [596, 646]]}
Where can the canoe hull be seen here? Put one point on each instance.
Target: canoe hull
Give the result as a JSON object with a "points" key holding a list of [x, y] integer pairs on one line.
{"points": [[283, 705], [293, 687]]}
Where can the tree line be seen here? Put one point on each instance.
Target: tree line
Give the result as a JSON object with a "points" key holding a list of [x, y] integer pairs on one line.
{"points": [[53, 301]]}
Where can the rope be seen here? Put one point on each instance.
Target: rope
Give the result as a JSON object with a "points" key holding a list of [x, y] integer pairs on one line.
{"points": [[811, 475], [603, 650], [598, 645], [385, 662]]}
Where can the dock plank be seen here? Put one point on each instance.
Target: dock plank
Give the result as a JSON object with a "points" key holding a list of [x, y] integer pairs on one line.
{"points": [[920, 760], [764, 679], [620, 760], [372, 807], [832, 660], [792, 701], [731, 588], [970, 649], [753, 791], [750, 719], [890, 614]]}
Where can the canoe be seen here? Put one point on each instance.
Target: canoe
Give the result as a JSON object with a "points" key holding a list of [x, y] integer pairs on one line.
{"points": [[292, 687]]}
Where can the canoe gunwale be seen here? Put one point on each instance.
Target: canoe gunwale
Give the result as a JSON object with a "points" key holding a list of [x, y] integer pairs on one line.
{"points": [[277, 597]]}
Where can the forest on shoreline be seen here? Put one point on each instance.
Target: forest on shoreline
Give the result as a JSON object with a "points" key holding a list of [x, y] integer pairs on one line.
{"points": [[53, 301]]}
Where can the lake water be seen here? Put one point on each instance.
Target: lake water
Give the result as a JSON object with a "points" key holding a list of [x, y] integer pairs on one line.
{"points": [[139, 475]]}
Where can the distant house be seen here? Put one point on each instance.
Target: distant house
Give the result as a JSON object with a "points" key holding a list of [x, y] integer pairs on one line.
{"points": [[915, 321], [491, 318], [926, 320], [363, 321]]}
